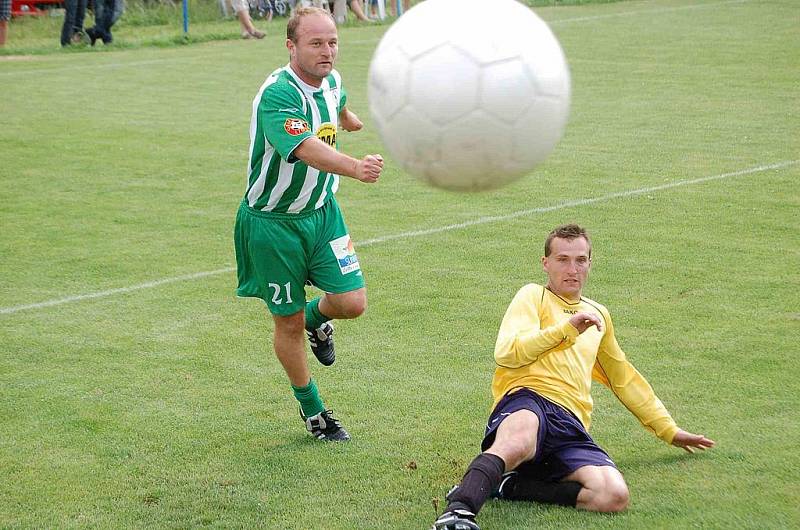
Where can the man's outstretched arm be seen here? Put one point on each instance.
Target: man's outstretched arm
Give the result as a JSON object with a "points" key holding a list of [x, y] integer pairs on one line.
{"points": [[320, 155], [615, 371]]}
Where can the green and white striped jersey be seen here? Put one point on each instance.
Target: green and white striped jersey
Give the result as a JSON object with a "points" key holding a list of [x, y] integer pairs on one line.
{"points": [[286, 111]]}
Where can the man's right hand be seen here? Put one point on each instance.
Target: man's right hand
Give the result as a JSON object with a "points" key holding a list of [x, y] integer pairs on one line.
{"points": [[583, 321], [369, 168]]}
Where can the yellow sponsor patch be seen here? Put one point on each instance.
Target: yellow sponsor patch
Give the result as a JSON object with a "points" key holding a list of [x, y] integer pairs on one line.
{"points": [[327, 133]]}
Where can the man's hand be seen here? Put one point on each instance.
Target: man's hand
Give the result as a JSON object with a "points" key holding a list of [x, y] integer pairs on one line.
{"points": [[369, 168], [689, 442], [349, 121], [583, 321]]}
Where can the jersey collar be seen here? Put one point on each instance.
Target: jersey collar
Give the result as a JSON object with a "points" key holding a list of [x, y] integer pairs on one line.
{"points": [[565, 300], [305, 87]]}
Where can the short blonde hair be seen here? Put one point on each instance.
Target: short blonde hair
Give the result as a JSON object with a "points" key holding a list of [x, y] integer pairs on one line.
{"points": [[299, 13]]}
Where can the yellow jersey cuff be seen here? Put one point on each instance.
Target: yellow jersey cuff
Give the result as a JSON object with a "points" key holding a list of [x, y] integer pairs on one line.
{"points": [[570, 332], [666, 429]]}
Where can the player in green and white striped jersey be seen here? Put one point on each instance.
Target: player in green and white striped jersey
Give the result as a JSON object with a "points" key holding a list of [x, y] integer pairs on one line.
{"points": [[289, 229]]}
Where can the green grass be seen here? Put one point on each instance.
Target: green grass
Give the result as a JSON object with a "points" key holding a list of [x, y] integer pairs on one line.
{"points": [[164, 406], [143, 24]]}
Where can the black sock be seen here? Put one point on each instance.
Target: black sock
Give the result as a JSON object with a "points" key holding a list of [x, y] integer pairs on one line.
{"points": [[521, 488], [481, 479]]}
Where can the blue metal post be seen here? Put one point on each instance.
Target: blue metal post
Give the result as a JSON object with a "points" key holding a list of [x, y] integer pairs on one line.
{"points": [[185, 17]]}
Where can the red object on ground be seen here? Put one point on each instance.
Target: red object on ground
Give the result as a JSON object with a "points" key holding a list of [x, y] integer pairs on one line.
{"points": [[38, 8]]}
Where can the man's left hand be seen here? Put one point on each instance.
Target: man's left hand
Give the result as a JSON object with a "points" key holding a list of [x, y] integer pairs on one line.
{"points": [[689, 442], [349, 121]]}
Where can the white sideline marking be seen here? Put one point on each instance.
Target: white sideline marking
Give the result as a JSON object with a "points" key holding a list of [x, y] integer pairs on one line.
{"points": [[414, 233], [634, 12], [111, 292], [577, 202]]}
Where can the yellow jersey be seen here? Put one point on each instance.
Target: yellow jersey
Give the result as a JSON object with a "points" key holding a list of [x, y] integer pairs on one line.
{"points": [[539, 349]]}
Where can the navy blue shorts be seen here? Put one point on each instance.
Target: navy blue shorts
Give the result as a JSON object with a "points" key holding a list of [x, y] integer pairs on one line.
{"points": [[563, 445]]}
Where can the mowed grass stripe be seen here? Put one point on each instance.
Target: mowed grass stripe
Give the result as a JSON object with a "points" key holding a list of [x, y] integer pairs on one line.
{"points": [[411, 234]]}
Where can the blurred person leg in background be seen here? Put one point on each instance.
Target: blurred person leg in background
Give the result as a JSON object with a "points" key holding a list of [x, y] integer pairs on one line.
{"points": [[266, 9], [103, 20], [5, 16], [242, 10], [119, 8], [393, 6], [338, 9], [358, 11], [72, 29], [372, 9]]}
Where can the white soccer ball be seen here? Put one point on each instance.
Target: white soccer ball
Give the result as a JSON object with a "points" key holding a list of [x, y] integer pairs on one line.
{"points": [[469, 94]]}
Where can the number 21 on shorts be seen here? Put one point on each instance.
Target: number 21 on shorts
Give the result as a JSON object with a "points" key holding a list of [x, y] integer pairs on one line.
{"points": [[281, 294]]}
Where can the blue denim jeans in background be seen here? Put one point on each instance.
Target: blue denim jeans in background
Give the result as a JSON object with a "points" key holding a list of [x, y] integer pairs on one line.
{"points": [[74, 13], [103, 20]]}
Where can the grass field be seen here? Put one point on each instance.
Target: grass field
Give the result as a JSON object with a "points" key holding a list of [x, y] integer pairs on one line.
{"points": [[136, 391]]}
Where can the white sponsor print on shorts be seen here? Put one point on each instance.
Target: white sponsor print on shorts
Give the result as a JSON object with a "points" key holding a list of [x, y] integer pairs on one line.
{"points": [[345, 254], [495, 420]]}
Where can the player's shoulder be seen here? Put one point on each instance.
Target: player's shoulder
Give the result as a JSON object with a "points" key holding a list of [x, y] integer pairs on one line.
{"points": [[596, 305], [281, 89], [280, 80], [531, 290]]}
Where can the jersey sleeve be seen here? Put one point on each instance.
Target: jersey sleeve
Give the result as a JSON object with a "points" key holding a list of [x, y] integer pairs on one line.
{"points": [[284, 124], [521, 339], [613, 370], [342, 99]]}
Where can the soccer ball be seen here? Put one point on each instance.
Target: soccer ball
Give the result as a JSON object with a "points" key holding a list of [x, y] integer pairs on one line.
{"points": [[468, 94]]}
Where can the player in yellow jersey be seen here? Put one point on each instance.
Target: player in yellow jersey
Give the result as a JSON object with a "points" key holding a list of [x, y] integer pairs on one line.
{"points": [[551, 344]]}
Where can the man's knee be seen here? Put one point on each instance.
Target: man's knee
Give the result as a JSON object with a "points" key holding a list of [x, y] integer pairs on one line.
{"points": [[349, 305], [613, 498], [356, 305], [621, 498], [604, 489]]}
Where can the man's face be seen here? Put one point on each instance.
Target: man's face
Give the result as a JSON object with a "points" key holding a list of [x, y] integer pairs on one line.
{"points": [[314, 53], [567, 266]]}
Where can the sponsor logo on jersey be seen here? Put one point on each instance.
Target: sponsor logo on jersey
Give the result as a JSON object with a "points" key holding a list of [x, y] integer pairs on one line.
{"points": [[345, 254], [327, 133], [295, 126]]}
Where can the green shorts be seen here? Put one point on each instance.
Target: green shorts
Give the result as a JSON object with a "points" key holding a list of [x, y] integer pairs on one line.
{"points": [[276, 254]]}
